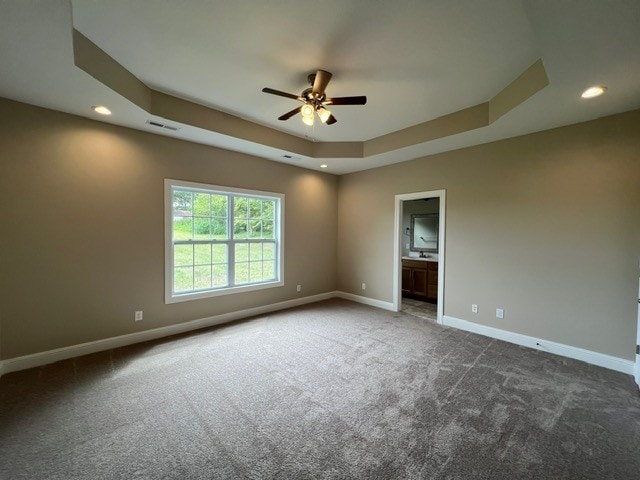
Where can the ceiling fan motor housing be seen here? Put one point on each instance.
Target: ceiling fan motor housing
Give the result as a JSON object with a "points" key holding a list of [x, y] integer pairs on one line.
{"points": [[310, 97]]}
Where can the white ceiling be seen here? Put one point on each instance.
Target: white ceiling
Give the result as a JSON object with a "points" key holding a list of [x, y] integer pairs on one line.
{"points": [[415, 60]]}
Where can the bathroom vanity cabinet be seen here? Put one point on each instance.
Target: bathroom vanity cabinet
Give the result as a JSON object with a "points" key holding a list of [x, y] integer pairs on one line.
{"points": [[420, 279]]}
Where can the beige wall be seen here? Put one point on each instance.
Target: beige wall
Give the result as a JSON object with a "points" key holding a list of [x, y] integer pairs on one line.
{"points": [[546, 226], [82, 247]]}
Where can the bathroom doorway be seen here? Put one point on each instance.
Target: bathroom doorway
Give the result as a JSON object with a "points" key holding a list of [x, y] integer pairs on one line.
{"points": [[419, 254]]}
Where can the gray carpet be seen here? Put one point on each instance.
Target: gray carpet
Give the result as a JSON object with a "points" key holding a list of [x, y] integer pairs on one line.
{"points": [[329, 390]]}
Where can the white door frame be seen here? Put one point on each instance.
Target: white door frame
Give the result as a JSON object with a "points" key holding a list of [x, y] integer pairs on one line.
{"points": [[397, 247]]}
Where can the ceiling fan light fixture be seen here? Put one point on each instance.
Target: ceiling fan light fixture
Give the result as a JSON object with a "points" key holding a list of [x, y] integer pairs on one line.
{"points": [[308, 120], [307, 110], [324, 114]]}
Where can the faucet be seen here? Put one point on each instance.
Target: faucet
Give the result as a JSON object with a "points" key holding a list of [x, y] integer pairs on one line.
{"points": [[422, 255]]}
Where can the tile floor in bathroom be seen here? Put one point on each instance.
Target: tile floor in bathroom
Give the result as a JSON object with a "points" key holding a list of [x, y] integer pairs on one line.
{"points": [[426, 310]]}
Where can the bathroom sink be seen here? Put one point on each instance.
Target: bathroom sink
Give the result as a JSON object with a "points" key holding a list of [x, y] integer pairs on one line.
{"points": [[421, 259]]}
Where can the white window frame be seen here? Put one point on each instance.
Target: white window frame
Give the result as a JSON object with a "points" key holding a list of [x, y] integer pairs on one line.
{"points": [[170, 296]]}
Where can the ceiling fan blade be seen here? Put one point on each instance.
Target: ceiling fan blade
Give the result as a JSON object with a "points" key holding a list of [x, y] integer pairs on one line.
{"points": [[320, 83], [346, 101], [282, 94], [331, 120], [290, 114]]}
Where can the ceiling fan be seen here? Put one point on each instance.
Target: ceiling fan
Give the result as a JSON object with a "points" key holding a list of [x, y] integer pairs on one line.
{"points": [[315, 100]]}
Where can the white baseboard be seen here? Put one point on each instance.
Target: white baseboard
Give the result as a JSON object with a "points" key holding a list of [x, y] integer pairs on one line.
{"points": [[600, 359], [365, 300], [50, 356]]}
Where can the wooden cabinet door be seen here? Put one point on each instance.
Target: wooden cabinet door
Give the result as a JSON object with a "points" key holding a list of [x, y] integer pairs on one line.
{"points": [[419, 281], [432, 292], [406, 279], [432, 285]]}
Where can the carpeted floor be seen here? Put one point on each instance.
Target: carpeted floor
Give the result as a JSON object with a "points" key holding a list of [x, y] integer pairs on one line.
{"points": [[329, 390]]}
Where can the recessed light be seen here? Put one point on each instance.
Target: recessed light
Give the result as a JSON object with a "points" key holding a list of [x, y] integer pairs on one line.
{"points": [[594, 91], [101, 109], [324, 165]]}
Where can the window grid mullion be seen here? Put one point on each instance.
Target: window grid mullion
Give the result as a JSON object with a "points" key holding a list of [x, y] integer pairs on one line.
{"points": [[199, 242]]}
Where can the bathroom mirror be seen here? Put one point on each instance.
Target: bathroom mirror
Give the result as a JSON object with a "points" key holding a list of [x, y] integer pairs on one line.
{"points": [[424, 233]]}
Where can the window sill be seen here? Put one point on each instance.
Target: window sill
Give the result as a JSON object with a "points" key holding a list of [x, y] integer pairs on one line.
{"points": [[184, 297]]}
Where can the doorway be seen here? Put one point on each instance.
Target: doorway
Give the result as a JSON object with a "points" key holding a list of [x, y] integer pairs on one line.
{"points": [[416, 269]]}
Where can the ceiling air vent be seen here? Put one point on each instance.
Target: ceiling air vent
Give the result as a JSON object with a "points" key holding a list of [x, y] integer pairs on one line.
{"points": [[162, 125]]}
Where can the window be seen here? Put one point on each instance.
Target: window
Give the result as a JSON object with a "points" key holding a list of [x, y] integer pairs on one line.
{"points": [[220, 240]]}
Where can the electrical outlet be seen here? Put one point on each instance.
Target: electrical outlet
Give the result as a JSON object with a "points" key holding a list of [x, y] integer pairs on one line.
{"points": [[299, 288], [138, 316], [474, 308], [499, 313], [364, 286]]}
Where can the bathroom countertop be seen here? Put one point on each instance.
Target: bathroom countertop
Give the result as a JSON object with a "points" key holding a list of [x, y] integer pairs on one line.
{"points": [[420, 259]]}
